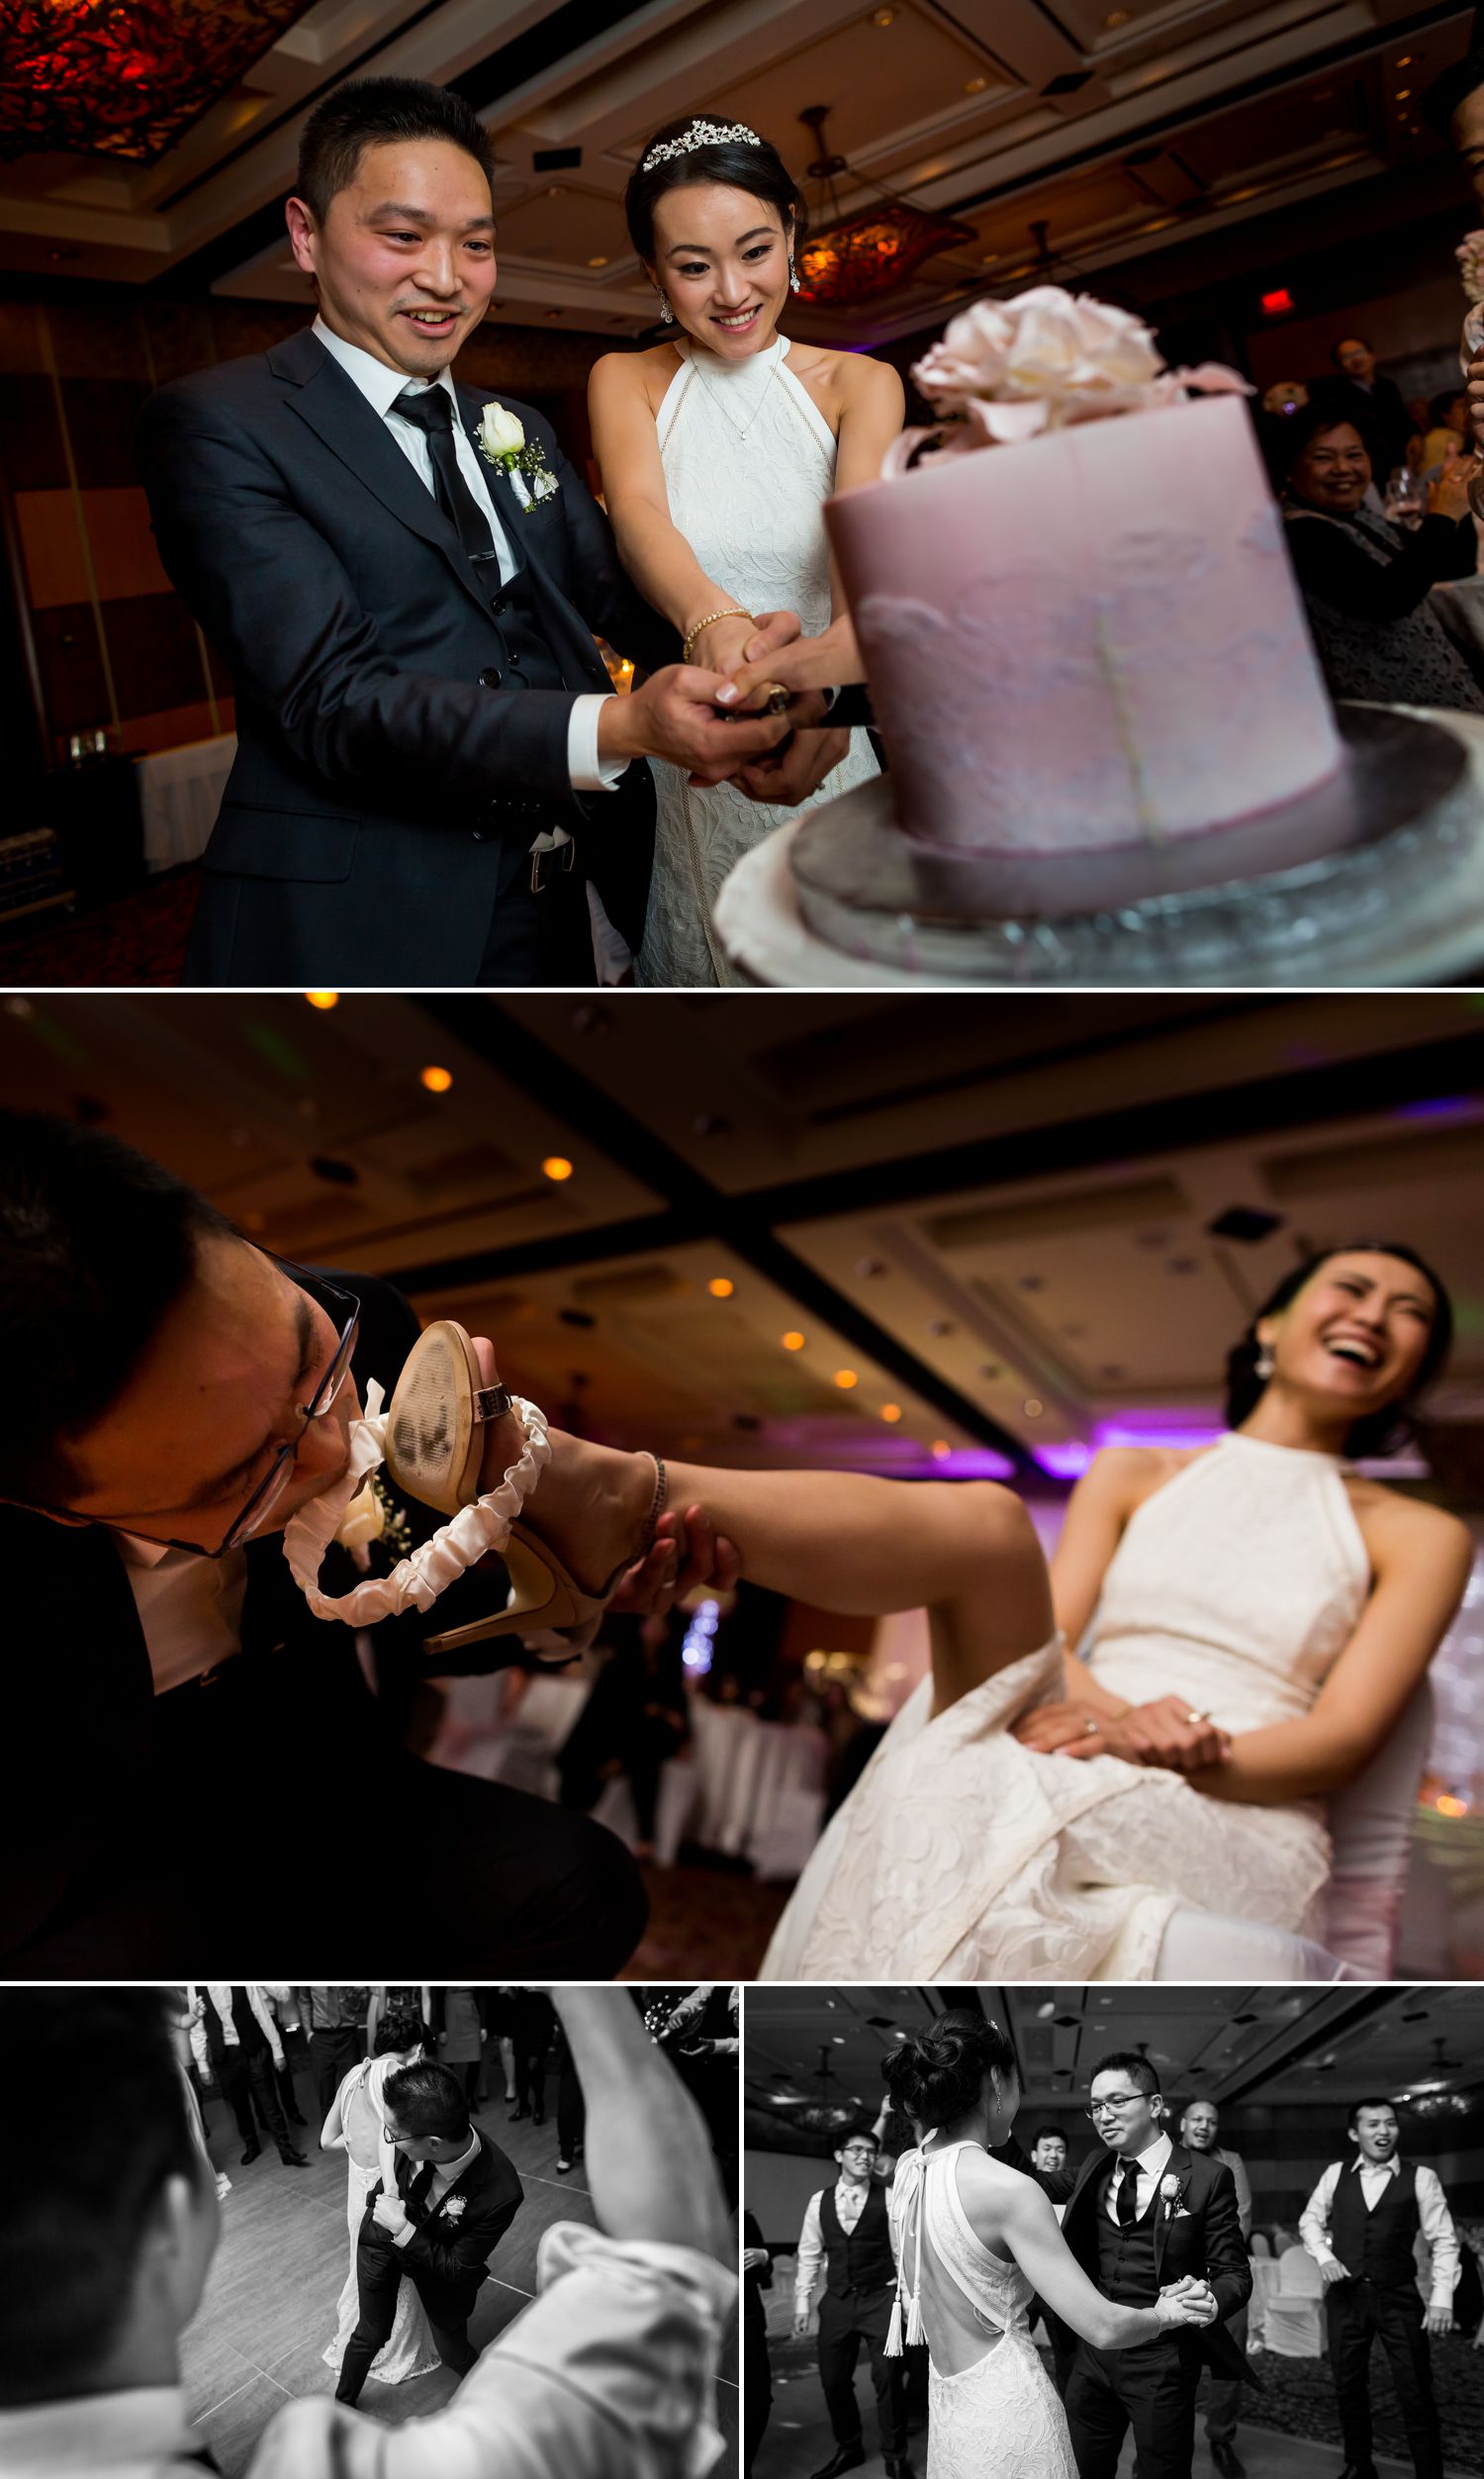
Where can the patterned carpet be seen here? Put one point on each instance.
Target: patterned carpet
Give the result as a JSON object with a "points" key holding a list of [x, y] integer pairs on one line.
{"points": [[135, 942], [1298, 2398], [704, 1924]]}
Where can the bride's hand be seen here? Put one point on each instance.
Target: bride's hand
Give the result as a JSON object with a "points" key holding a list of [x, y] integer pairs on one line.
{"points": [[778, 654], [1055, 1729], [722, 646], [1168, 1732], [1186, 2302]]}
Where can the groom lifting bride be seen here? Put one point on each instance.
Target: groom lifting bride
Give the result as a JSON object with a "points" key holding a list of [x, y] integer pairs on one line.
{"points": [[406, 580]]}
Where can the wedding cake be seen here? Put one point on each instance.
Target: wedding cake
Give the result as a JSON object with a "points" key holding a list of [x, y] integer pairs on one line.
{"points": [[1086, 651]]}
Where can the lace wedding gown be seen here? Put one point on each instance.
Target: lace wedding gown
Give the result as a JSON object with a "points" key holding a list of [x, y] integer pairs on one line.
{"points": [[749, 462], [992, 2413], [963, 1855], [409, 2348]]}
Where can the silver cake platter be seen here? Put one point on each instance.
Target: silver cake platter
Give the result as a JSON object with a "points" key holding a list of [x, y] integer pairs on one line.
{"points": [[1397, 898]]}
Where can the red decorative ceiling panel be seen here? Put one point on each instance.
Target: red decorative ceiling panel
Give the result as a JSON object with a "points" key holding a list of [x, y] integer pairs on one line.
{"points": [[97, 77]]}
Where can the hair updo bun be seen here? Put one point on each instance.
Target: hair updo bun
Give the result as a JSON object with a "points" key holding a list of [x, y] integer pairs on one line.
{"points": [[939, 2076]]}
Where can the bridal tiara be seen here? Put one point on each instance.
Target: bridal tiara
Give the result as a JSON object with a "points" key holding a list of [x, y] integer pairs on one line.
{"points": [[701, 134]]}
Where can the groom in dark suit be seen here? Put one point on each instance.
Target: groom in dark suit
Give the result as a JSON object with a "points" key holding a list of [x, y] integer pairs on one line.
{"points": [[424, 724], [1140, 2215], [456, 2196], [167, 1681]]}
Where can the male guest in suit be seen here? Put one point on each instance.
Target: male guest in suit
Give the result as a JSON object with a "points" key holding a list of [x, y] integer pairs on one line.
{"points": [[243, 2044], [846, 2229], [1140, 2214], [174, 1393], [1048, 2152], [1360, 2224], [423, 719], [456, 2196], [1199, 2126]]}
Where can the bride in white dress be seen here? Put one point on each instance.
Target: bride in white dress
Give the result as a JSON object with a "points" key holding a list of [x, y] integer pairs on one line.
{"points": [[975, 2240], [1020, 1820], [355, 2125], [1261, 1615], [718, 451]]}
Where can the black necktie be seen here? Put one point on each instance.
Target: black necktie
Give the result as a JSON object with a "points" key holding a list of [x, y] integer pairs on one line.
{"points": [[431, 408], [1128, 2197]]}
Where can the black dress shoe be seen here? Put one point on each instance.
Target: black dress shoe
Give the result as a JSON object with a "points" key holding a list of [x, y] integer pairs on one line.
{"points": [[251, 2154], [521, 2111], [538, 2117], [899, 2467], [1228, 2460], [294, 2117], [293, 2160], [844, 2457]]}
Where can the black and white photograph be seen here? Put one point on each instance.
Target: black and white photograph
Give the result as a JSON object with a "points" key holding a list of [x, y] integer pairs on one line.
{"points": [[329, 2232], [995, 2235]]}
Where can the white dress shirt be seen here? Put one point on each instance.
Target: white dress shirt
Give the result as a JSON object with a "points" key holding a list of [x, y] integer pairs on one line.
{"points": [[1431, 2207], [1243, 2183], [1147, 2169], [381, 387], [808, 2265], [141, 2433], [609, 2373], [190, 1609], [445, 2174]]}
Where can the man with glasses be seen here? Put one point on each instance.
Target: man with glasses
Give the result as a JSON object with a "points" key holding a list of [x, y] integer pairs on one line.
{"points": [[456, 2196], [173, 1394], [847, 2234], [1142, 2214]]}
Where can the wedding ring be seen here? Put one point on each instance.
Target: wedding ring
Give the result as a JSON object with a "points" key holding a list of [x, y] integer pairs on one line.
{"points": [[778, 702], [1090, 1724], [1193, 1718]]}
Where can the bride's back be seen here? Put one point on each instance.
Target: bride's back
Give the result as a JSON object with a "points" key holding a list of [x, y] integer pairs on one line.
{"points": [[970, 2296], [361, 2113]]}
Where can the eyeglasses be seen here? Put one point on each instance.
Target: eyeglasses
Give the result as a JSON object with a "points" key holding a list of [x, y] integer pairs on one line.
{"points": [[1116, 2100], [346, 1314]]}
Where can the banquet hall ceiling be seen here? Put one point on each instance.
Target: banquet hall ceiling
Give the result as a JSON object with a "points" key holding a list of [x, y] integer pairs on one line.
{"points": [[1020, 1224], [1267, 2047], [1123, 131]]}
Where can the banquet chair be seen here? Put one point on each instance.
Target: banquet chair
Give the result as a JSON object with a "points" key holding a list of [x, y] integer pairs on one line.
{"points": [[1293, 2321], [1260, 2246]]}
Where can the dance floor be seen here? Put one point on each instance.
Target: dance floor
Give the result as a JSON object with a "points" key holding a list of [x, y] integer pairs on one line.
{"points": [[798, 2440], [270, 2303], [704, 1924]]}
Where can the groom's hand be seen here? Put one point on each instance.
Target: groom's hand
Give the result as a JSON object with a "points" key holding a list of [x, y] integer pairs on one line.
{"points": [[798, 769], [390, 2214], [674, 716]]}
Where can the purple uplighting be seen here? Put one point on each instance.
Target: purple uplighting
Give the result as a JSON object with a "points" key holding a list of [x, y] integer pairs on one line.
{"points": [[1067, 1462], [1132, 1431], [1442, 1106]]}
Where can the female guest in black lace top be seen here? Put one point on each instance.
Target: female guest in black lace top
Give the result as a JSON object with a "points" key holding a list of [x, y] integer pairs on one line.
{"points": [[1366, 583]]}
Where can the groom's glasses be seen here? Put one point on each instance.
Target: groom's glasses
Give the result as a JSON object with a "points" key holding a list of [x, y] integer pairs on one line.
{"points": [[1116, 2100]]}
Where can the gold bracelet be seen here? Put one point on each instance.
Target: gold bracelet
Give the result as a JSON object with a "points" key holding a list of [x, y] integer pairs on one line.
{"points": [[702, 625]]}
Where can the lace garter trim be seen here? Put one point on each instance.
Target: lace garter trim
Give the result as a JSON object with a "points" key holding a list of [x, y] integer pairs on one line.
{"points": [[414, 1583]]}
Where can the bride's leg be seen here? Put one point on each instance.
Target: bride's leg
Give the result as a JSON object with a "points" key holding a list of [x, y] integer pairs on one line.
{"points": [[966, 1551]]}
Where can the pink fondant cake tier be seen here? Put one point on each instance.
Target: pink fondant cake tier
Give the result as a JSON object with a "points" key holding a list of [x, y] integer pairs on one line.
{"points": [[1087, 642]]}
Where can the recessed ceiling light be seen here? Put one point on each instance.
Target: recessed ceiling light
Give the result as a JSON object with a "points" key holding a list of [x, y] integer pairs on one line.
{"points": [[1116, 17], [891, 1411], [557, 1167], [598, 263], [990, 258], [436, 1080], [845, 1379], [719, 1286], [884, 17], [325, 998], [975, 85], [1032, 1407], [792, 1341]]}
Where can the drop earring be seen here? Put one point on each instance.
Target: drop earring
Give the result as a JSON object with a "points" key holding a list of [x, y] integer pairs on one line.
{"points": [[794, 286], [1264, 1363], [666, 313]]}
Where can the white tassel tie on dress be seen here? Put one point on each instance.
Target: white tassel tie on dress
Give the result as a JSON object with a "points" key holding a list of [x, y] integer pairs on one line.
{"points": [[914, 2295], [415, 1582]]}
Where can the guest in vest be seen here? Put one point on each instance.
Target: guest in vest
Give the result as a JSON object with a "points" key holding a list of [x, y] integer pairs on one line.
{"points": [[1360, 2224], [1199, 2128], [847, 2227]]}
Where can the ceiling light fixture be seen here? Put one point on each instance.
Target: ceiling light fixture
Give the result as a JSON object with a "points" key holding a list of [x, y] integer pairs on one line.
{"points": [[719, 1288], [557, 1167], [792, 1341], [845, 1379], [852, 258], [436, 1080], [325, 998]]}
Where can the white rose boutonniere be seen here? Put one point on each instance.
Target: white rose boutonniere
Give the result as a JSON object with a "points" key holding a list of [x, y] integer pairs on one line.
{"points": [[1169, 2188], [454, 2208], [372, 1516], [502, 441]]}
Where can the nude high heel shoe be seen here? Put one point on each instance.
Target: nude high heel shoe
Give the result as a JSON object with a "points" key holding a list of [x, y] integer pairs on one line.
{"points": [[434, 1450]]}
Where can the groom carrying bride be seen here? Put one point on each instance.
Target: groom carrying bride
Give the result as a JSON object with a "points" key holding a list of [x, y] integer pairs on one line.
{"points": [[405, 582], [1142, 2214]]}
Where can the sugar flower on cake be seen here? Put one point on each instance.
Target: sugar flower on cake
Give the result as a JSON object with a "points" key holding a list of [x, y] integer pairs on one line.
{"points": [[1009, 369]]}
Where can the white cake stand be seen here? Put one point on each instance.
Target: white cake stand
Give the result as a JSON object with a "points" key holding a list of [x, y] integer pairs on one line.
{"points": [[1404, 909]]}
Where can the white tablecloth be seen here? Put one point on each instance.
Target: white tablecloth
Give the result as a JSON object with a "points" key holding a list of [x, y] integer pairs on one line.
{"points": [[180, 793]]}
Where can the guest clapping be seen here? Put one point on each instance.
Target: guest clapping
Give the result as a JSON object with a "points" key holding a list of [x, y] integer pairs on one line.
{"points": [[1365, 584], [1360, 2224]]}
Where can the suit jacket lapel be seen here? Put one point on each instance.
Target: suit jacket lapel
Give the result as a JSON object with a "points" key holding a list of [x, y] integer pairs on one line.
{"points": [[1177, 2165], [337, 412]]}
